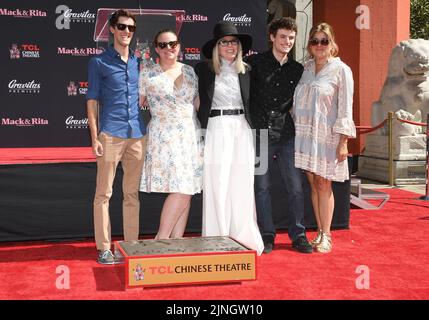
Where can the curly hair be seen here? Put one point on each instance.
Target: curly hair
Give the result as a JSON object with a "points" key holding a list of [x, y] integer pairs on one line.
{"points": [[282, 23]]}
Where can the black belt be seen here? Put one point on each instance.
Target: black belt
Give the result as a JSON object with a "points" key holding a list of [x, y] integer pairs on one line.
{"points": [[227, 112]]}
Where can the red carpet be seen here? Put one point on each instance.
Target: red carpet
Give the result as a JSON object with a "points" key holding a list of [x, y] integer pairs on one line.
{"points": [[392, 243], [45, 155]]}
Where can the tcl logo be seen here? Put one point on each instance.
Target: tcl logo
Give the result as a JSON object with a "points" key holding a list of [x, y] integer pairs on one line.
{"points": [[24, 51], [30, 47], [192, 50], [161, 270], [75, 87], [192, 54]]}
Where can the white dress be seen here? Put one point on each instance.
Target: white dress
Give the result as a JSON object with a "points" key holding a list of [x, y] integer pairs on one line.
{"points": [[322, 111], [229, 157]]}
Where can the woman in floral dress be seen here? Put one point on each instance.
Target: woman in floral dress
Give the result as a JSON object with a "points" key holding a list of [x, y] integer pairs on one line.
{"points": [[173, 161]]}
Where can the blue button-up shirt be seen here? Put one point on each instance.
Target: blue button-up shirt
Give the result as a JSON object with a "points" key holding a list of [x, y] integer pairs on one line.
{"points": [[114, 84]]}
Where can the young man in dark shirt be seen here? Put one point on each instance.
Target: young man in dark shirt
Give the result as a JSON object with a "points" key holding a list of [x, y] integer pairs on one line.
{"points": [[274, 76]]}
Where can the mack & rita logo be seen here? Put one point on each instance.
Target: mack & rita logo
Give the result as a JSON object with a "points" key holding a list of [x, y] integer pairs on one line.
{"points": [[24, 122], [22, 13], [79, 52]]}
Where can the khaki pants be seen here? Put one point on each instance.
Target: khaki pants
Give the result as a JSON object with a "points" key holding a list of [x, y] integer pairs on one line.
{"points": [[131, 154]]}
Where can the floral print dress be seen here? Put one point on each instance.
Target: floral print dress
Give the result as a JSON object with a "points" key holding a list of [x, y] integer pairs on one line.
{"points": [[174, 152]]}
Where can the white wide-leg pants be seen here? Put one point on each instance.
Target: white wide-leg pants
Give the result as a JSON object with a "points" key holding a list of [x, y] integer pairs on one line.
{"points": [[228, 194]]}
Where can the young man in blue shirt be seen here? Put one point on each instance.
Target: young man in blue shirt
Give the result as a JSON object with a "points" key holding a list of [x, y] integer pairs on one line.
{"points": [[117, 131]]}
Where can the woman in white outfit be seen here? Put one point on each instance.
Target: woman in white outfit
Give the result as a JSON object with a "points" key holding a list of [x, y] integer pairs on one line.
{"points": [[224, 82], [323, 114]]}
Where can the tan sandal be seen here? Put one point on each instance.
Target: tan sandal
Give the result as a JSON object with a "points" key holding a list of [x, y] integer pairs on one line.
{"points": [[325, 244]]}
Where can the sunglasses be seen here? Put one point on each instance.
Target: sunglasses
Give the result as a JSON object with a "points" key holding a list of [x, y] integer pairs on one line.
{"points": [[171, 44], [122, 27], [314, 42], [225, 43]]}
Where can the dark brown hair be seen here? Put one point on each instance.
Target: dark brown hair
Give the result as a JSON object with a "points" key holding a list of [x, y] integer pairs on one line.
{"points": [[287, 23], [155, 39], [120, 13]]}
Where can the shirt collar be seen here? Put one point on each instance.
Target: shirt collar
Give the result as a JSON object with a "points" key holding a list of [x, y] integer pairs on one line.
{"points": [[226, 65], [113, 53], [273, 58]]}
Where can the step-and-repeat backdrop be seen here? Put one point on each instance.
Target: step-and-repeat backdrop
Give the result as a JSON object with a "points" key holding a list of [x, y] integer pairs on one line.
{"points": [[46, 46]]}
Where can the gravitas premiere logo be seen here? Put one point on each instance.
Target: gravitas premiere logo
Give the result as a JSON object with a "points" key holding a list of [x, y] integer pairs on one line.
{"points": [[67, 16], [72, 123], [243, 20], [24, 51], [77, 87], [28, 87], [22, 13], [79, 52]]}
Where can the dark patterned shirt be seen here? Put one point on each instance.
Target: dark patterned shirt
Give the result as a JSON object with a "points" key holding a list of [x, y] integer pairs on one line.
{"points": [[271, 94]]}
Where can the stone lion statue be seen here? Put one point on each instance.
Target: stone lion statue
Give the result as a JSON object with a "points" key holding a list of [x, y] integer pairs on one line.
{"points": [[406, 87], [406, 129]]}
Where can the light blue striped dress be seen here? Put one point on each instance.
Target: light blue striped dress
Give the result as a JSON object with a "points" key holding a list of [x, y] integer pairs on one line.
{"points": [[322, 111]]}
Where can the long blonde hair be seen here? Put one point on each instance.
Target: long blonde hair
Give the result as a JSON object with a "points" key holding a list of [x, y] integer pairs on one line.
{"points": [[329, 31], [240, 65]]}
